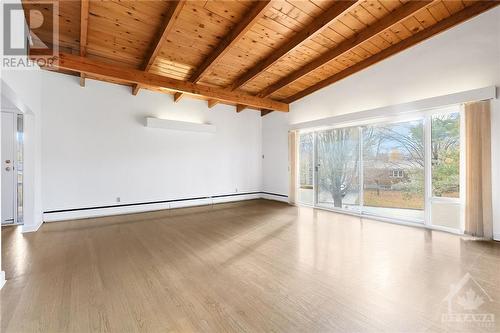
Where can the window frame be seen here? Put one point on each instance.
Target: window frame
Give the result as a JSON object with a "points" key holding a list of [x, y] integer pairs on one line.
{"points": [[316, 203], [426, 117], [297, 167], [430, 197]]}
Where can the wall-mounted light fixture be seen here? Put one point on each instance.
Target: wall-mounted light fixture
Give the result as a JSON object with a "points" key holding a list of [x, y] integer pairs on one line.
{"points": [[175, 125]]}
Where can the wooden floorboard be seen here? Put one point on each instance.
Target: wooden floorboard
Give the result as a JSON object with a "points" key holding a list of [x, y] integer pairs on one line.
{"points": [[256, 266]]}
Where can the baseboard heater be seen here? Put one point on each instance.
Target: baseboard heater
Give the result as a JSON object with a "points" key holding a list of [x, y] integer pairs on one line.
{"points": [[137, 207]]}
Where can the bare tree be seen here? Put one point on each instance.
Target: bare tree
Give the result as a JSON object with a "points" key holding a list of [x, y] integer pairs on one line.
{"points": [[412, 143], [338, 154], [338, 158]]}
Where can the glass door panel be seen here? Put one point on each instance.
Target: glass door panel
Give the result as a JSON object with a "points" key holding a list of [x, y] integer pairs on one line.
{"points": [[445, 151], [445, 170], [338, 168], [401, 170], [393, 170], [306, 168]]}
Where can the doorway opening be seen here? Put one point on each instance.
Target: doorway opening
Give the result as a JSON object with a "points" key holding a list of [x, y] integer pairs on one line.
{"points": [[12, 137]]}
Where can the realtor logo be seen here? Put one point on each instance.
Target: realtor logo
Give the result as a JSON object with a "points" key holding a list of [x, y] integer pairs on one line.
{"points": [[21, 32], [465, 300]]}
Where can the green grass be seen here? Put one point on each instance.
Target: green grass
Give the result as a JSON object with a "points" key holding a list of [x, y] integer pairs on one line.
{"points": [[393, 199]]}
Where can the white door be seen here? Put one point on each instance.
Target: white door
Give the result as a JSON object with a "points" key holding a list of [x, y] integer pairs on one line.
{"points": [[8, 158]]}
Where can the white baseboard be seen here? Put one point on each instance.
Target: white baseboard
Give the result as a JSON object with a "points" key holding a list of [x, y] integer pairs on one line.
{"points": [[31, 228], [496, 237], [276, 197], [2, 279], [238, 198], [99, 212], [189, 203], [140, 208]]}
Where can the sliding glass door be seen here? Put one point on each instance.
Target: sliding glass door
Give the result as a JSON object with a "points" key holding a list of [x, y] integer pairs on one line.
{"points": [[306, 168], [445, 157], [338, 168], [405, 170], [393, 170]]}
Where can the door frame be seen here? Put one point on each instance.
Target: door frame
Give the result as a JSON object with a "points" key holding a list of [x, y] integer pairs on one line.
{"points": [[425, 116], [15, 166], [430, 198], [297, 168]]}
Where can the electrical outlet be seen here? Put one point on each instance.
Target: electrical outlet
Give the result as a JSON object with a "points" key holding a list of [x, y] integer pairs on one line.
{"points": [[118, 199]]}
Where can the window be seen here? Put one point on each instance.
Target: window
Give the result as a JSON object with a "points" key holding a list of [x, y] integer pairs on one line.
{"points": [[306, 168], [338, 168], [382, 169], [445, 170], [397, 173], [445, 155], [393, 169]]}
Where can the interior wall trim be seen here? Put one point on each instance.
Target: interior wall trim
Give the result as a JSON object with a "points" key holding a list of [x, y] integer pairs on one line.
{"points": [[146, 203], [275, 194], [2, 279], [475, 95], [137, 207]]}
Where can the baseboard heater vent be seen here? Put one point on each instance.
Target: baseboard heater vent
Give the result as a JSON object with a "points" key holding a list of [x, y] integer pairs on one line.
{"points": [[137, 207]]}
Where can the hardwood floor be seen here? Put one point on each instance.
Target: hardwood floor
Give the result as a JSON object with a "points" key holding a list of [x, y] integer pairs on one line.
{"points": [[256, 266]]}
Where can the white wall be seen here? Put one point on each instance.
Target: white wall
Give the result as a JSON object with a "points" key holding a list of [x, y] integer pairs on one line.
{"points": [[96, 147], [464, 58], [274, 149]]}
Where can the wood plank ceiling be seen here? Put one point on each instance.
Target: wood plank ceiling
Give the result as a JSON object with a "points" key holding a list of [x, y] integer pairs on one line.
{"points": [[251, 54]]}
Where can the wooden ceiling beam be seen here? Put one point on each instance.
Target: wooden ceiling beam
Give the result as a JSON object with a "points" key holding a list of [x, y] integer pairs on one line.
{"points": [[212, 102], [177, 96], [82, 80], [235, 34], [264, 112], [346, 46], [161, 37], [135, 89], [84, 25], [315, 27], [88, 66], [240, 107], [459, 17]]}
